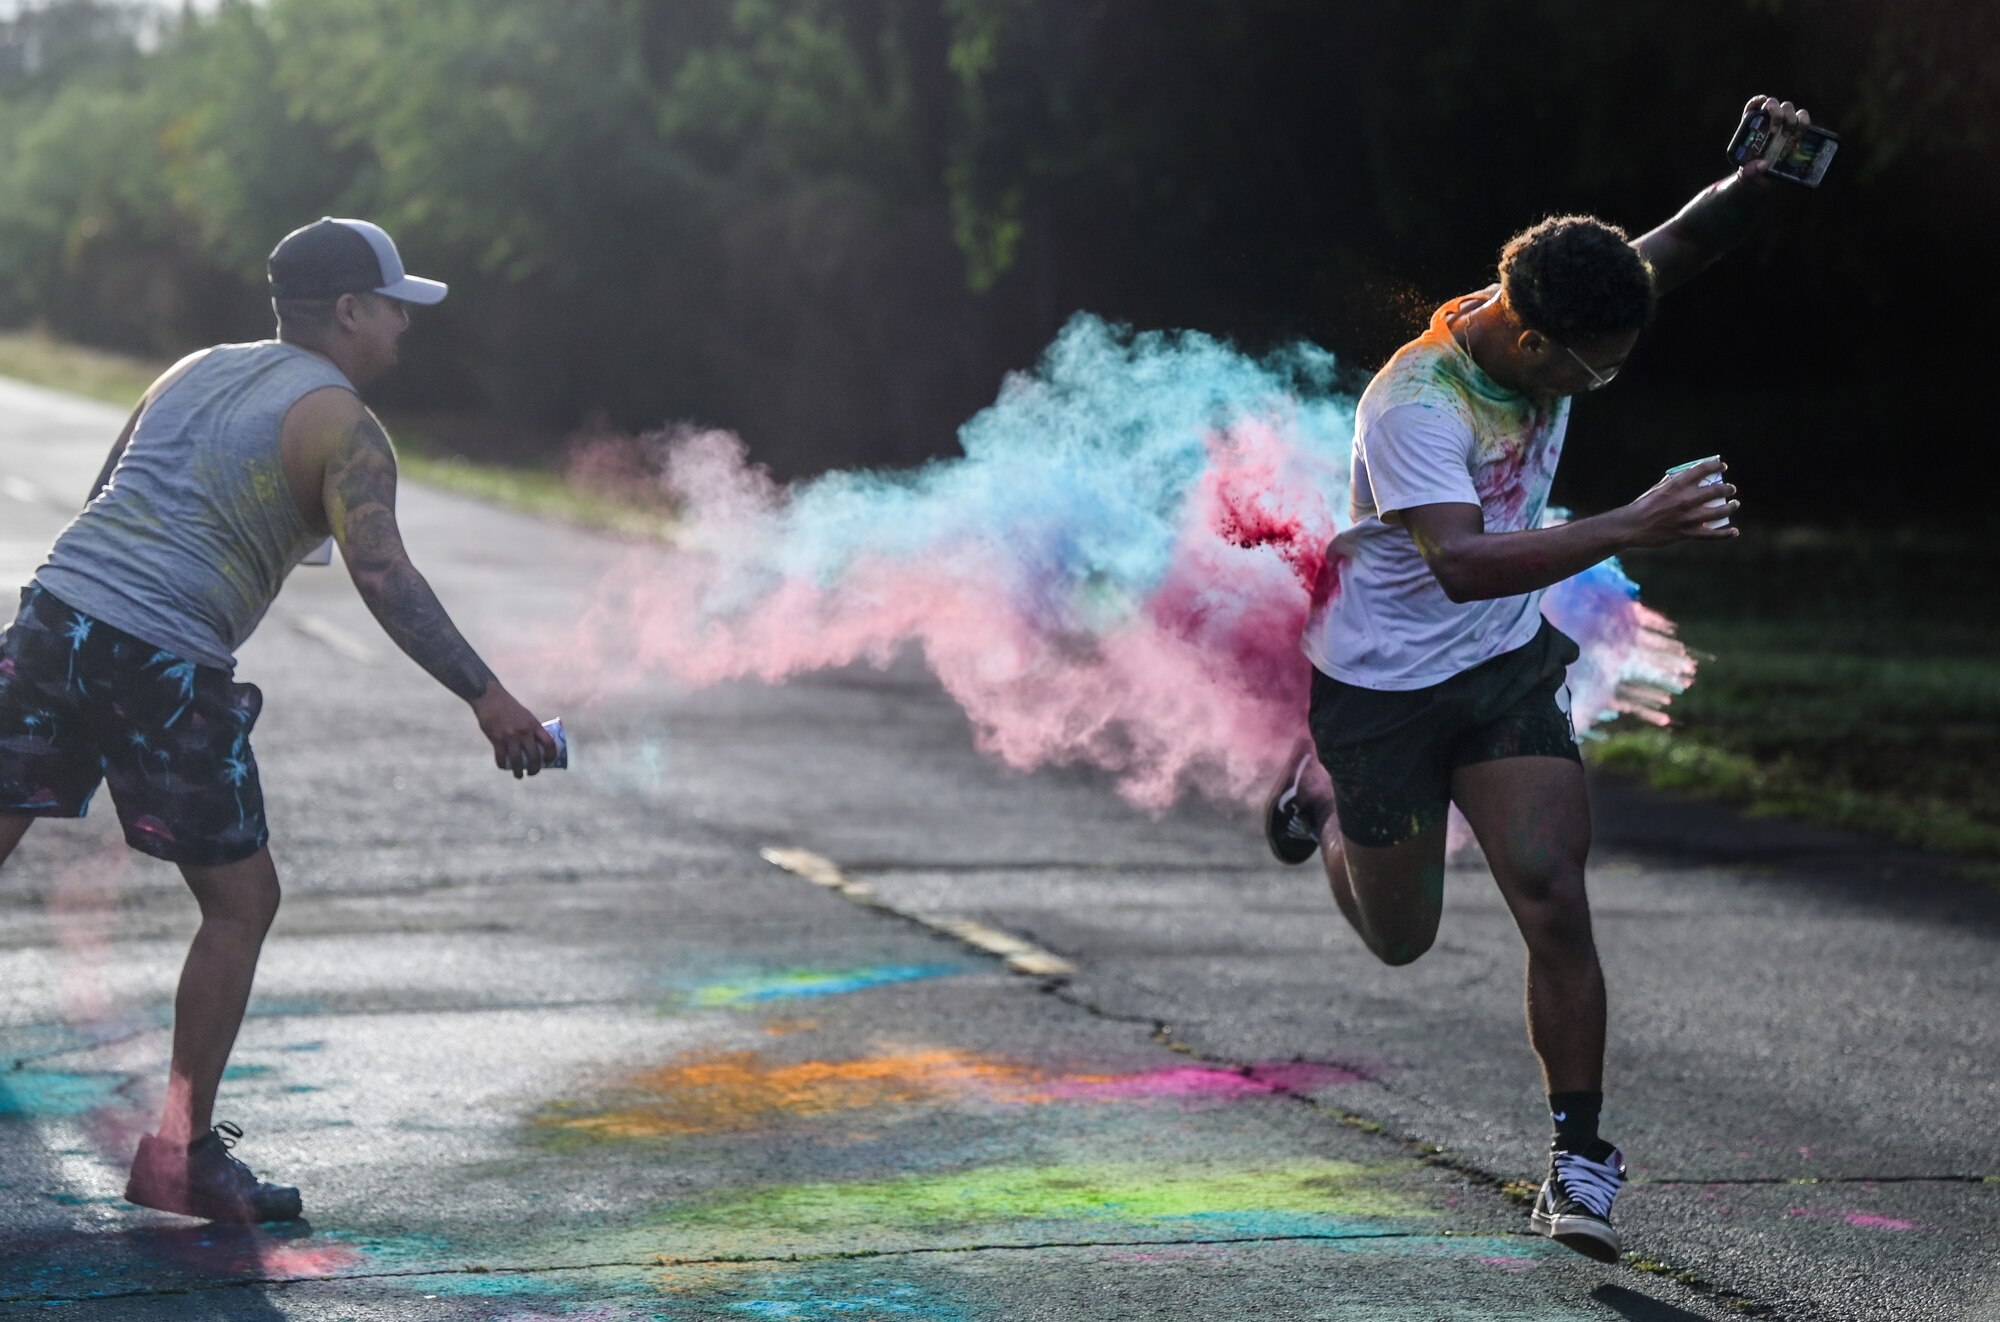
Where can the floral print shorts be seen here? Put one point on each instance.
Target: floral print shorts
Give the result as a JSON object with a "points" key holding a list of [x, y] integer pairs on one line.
{"points": [[82, 703]]}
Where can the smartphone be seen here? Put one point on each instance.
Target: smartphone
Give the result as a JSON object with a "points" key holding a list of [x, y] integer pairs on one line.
{"points": [[1800, 154]]}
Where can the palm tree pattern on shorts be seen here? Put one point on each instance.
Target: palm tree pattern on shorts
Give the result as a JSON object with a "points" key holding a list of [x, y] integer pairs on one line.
{"points": [[83, 703]]}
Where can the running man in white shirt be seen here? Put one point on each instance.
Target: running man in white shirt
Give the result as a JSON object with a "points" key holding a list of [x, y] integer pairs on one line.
{"points": [[1438, 682]]}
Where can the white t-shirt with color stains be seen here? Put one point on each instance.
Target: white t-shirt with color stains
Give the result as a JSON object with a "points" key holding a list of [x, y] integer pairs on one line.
{"points": [[1433, 429]]}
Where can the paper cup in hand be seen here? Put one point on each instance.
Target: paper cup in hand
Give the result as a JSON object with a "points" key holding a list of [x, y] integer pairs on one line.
{"points": [[1712, 480]]}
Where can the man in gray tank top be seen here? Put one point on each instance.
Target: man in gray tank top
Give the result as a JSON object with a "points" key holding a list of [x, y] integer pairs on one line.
{"points": [[118, 667]]}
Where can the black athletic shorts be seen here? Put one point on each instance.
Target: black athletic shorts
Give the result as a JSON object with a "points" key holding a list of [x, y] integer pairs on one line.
{"points": [[81, 702], [1391, 754]]}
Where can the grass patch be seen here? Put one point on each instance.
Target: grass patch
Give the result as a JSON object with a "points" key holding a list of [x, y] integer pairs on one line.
{"points": [[1786, 788], [113, 378], [120, 379], [1849, 678], [530, 490]]}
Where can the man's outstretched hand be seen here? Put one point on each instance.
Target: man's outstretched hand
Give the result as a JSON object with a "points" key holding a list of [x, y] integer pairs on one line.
{"points": [[520, 744], [1677, 509], [1786, 118]]}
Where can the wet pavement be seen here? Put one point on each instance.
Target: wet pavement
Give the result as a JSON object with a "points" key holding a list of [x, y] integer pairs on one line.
{"points": [[574, 1048]]}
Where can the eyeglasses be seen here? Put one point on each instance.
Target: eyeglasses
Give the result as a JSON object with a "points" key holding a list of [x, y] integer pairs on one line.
{"points": [[1598, 380]]}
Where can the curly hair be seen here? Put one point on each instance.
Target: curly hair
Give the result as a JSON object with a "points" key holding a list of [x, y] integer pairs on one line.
{"points": [[1576, 279]]}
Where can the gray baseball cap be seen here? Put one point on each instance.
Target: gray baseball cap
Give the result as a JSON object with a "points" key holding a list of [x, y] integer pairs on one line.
{"points": [[333, 256]]}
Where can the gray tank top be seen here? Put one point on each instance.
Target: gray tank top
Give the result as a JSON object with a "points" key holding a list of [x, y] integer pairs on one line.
{"points": [[191, 541]]}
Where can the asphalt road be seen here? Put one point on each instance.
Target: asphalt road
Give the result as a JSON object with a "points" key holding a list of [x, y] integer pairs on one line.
{"points": [[573, 1048]]}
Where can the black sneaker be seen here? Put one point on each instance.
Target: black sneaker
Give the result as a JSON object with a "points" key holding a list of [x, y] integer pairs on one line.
{"points": [[1574, 1208], [1292, 837], [203, 1180]]}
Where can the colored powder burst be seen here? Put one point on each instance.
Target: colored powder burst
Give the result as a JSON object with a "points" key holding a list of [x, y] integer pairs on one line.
{"points": [[1194, 1198], [226, 1252], [298, 1252], [742, 1091], [1116, 573], [710, 1278], [1632, 664], [496, 1285], [40, 1094], [1195, 1082], [734, 1092], [805, 1298], [812, 982], [1509, 1255], [307, 1261]]}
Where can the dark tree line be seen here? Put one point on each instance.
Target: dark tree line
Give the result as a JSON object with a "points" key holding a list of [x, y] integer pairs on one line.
{"points": [[833, 224]]}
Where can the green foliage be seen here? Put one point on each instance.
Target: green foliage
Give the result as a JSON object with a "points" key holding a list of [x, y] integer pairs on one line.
{"points": [[241, 160], [510, 133], [1790, 786], [131, 192], [835, 223], [532, 491], [1868, 713], [798, 95], [44, 46], [120, 379], [111, 378]]}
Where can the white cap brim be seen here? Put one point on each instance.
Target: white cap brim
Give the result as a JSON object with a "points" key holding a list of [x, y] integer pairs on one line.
{"points": [[416, 289]]}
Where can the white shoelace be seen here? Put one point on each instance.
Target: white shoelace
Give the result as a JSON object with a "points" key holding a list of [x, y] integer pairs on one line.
{"points": [[1296, 824], [1592, 1183]]}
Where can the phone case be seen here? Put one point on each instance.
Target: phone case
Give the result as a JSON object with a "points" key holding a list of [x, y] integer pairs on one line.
{"points": [[1801, 157]]}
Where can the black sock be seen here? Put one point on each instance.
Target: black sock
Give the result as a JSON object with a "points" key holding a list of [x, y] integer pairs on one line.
{"points": [[1575, 1117]]}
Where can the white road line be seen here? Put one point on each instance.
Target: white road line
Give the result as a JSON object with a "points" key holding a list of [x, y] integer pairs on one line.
{"points": [[21, 489], [1021, 956], [334, 638]]}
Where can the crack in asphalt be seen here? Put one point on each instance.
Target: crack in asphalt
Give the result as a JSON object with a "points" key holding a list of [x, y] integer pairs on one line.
{"points": [[661, 1260], [842, 883], [1160, 1031], [1430, 1154]]}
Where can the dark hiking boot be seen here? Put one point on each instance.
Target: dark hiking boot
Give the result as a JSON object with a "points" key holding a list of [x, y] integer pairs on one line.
{"points": [[203, 1180]]}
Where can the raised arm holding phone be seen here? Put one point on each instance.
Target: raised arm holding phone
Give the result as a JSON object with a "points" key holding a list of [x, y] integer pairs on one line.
{"points": [[1437, 681]]}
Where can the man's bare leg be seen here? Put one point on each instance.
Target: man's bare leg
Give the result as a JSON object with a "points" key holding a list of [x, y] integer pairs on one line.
{"points": [[238, 902], [1393, 896], [187, 1167], [1532, 817]]}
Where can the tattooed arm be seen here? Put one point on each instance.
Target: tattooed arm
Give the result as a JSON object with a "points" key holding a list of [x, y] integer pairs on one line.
{"points": [[359, 491], [360, 495]]}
